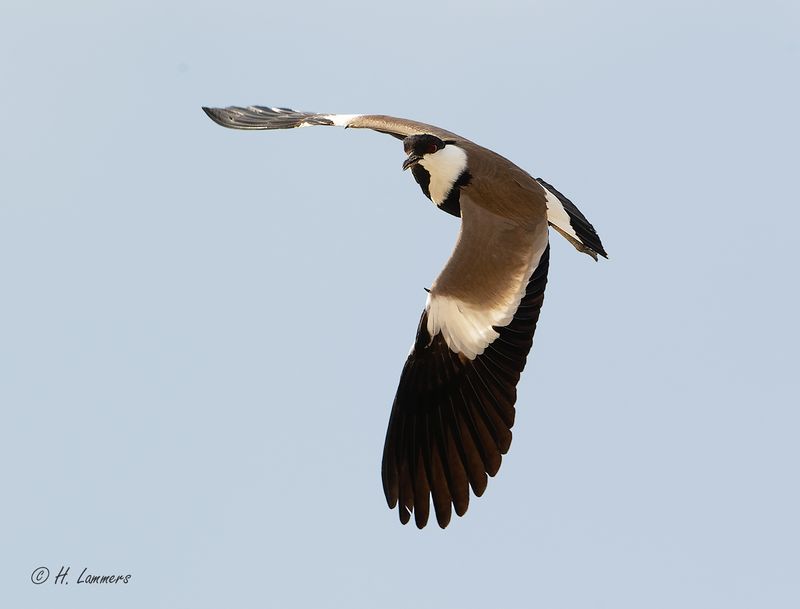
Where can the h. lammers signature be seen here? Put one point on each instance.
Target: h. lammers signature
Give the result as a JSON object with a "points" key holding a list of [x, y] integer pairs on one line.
{"points": [[41, 574]]}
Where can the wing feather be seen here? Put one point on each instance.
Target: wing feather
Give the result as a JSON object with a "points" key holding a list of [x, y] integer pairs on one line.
{"points": [[452, 416], [265, 117]]}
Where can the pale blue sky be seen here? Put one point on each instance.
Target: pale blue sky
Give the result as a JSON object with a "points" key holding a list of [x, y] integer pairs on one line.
{"points": [[201, 330]]}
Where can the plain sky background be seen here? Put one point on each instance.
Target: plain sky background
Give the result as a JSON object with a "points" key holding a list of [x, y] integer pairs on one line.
{"points": [[201, 330]]}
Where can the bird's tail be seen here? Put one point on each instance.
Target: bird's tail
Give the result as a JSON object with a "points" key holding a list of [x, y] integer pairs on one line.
{"points": [[571, 223]]}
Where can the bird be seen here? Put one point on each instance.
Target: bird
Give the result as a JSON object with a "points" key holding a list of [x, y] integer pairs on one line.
{"points": [[451, 419]]}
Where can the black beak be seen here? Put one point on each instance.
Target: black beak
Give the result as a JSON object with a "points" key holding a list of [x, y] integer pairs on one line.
{"points": [[412, 159]]}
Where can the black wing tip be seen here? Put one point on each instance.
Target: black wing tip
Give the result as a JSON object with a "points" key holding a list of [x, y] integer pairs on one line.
{"points": [[598, 248], [421, 520], [230, 117], [593, 250], [215, 114], [264, 117], [594, 253]]}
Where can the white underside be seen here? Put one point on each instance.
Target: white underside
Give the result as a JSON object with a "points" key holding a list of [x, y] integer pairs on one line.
{"points": [[557, 215], [468, 329], [445, 166]]}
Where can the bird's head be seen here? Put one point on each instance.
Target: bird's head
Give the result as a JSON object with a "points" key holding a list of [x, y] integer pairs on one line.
{"points": [[438, 166], [417, 147]]}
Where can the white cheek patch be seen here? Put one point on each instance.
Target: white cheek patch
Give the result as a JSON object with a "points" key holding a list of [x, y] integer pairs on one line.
{"points": [[445, 166], [557, 215]]}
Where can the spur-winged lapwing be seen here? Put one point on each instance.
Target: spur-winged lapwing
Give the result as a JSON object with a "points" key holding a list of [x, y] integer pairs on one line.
{"points": [[454, 408]]}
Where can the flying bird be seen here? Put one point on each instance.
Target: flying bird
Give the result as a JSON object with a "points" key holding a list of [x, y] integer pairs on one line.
{"points": [[452, 415]]}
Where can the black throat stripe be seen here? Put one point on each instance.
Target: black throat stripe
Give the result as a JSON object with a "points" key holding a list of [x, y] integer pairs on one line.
{"points": [[423, 178], [452, 203]]}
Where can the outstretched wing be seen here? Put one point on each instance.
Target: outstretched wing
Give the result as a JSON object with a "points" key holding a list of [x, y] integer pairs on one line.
{"points": [[263, 117], [452, 416]]}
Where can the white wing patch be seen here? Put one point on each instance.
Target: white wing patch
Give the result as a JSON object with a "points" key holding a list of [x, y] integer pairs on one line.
{"points": [[557, 215], [445, 166], [341, 120], [465, 329], [468, 329]]}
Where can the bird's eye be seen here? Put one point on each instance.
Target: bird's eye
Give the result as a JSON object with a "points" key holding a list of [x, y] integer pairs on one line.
{"points": [[432, 147]]}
